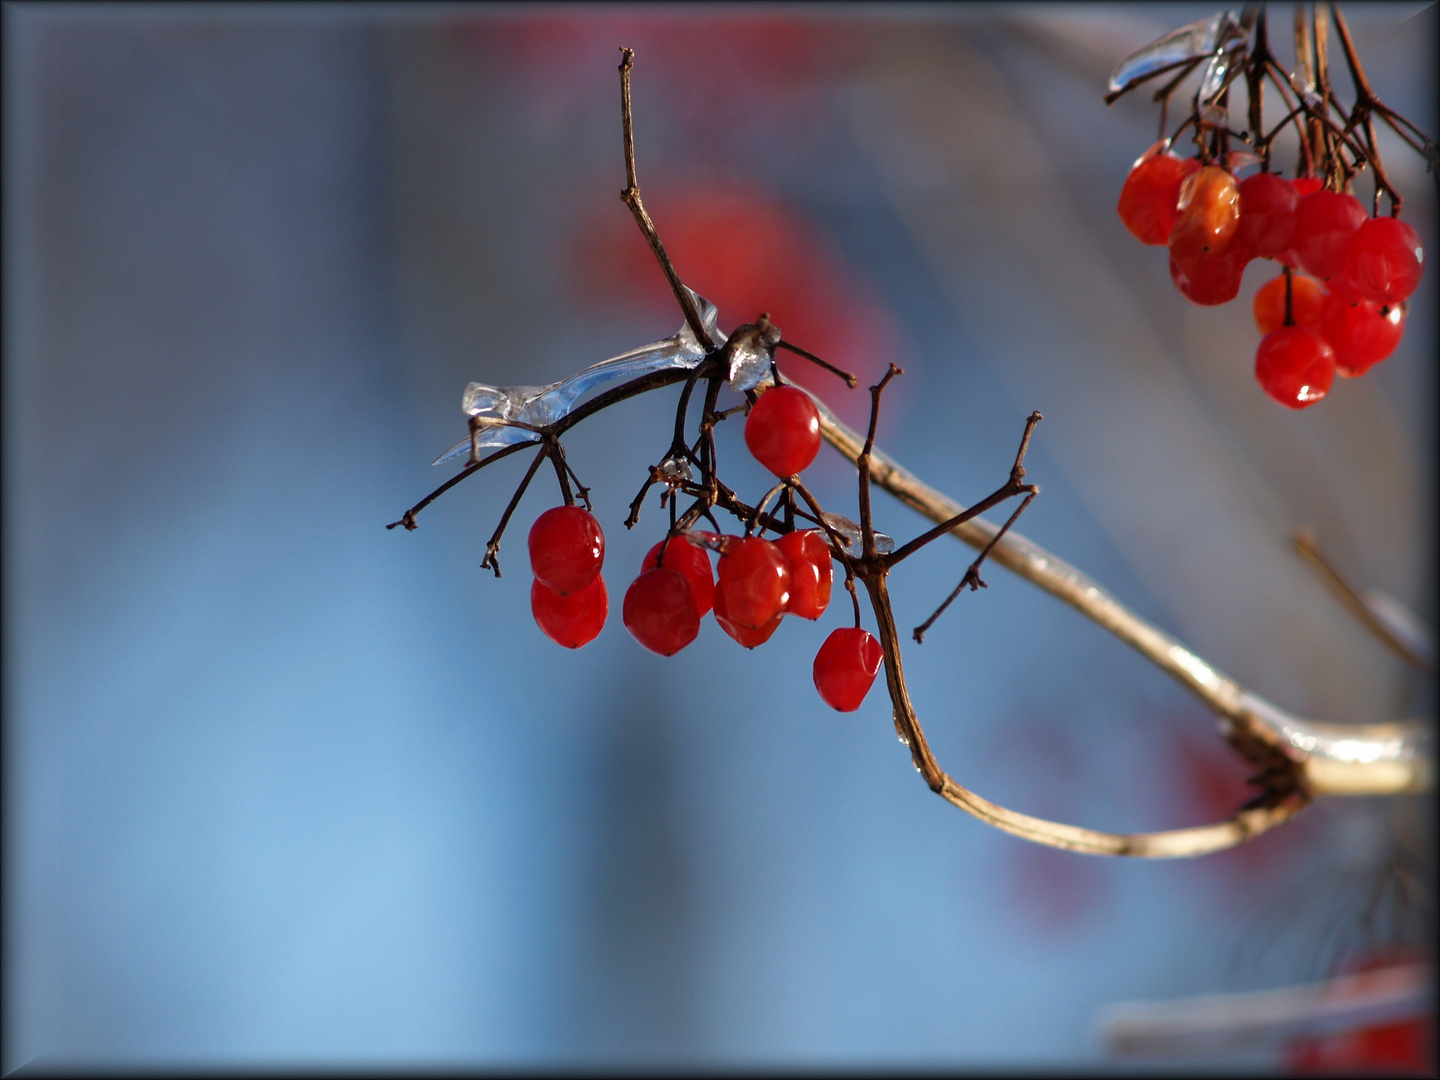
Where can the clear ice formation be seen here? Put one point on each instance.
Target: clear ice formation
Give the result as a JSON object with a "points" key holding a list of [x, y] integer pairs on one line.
{"points": [[1221, 37], [849, 532], [498, 409]]}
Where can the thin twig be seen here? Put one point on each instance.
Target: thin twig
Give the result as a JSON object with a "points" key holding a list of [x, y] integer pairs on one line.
{"points": [[631, 197], [492, 547], [1353, 602]]}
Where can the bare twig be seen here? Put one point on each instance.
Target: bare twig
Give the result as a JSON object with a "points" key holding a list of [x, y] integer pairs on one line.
{"points": [[631, 197], [1353, 602]]}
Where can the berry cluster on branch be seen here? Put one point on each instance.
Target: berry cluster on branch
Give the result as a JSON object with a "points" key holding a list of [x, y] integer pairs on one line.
{"points": [[760, 580], [1349, 313]]}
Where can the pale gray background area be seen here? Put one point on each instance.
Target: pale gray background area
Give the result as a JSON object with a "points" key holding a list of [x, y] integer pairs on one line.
{"points": [[284, 787]]}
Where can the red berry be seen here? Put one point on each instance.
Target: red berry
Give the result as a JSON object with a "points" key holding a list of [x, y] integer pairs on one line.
{"points": [[692, 561], [845, 667], [1306, 185], [783, 430], [1324, 226], [808, 556], [1295, 366], [660, 611], [1209, 214], [1211, 279], [570, 619], [1307, 303], [749, 636], [1267, 215], [567, 548], [1361, 334], [1385, 260], [754, 581], [1151, 192]]}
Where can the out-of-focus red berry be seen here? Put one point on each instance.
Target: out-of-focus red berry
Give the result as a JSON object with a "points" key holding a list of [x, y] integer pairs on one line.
{"points": [[1361, 334], [749, 636], [808, 556], [1307, 303], [783, 430], [1295, 366], [1150, 195], [845, 667], [1208, 215], [754, 581], [1324, 226], [1307, 185], [1211, 279], [567, 548], [570, 619], [659, 611], [691, 560], [1267, 215], [1385, 260]]}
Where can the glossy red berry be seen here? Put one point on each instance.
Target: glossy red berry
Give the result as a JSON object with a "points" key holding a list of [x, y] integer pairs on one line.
{"points": [[1324, 226], [567, 548], [1361, 334], [1267, 215], [1208, 215], [1295, 366], [783, 430], [1306, 185], [845, 667], [1307, 303], [659, 611], [1385, 260], [1211, 279], [570, 619], [691, 560], [754, 581], [808, 557], [749, 636], [1152, 190]]}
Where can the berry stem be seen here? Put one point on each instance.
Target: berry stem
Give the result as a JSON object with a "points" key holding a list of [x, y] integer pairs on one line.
{"points": [[850, 380], [492, 546]]}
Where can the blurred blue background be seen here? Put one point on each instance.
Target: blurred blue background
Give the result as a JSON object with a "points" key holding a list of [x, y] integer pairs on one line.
{"points": [[282, 786]]}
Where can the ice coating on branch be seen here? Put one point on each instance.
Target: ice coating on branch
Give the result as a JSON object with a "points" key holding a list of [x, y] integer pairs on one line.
{"points": [[675, 469], [1215, 36], [849, 532], [496, 409], [752, 351]]}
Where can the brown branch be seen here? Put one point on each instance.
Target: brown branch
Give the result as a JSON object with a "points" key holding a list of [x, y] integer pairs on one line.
{"points": [[492, 546]]}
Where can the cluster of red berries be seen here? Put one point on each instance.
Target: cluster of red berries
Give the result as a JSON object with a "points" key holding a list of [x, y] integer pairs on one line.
{"points": [[759, 582], [1349, 316]]}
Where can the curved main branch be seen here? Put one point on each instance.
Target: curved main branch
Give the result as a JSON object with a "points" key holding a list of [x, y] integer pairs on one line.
{"points": [[1337, 759]]}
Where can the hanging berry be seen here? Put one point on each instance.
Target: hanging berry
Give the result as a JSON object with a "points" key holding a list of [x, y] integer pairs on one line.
{"points": [[567, 548], [783, 430], [845, 667], [570, 619]]}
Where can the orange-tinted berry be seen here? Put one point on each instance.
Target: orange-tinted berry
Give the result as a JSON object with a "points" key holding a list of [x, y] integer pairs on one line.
{"points": [[1209, 214], [1307, 303], [1150, 195]]}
